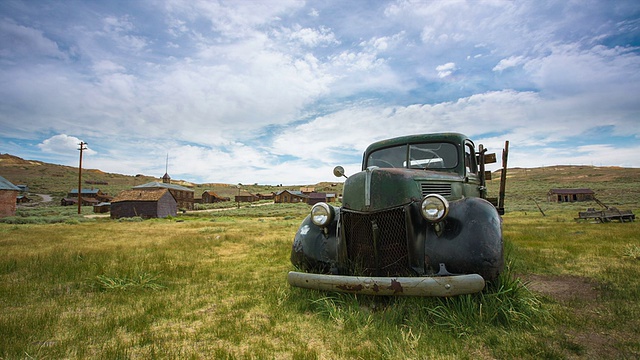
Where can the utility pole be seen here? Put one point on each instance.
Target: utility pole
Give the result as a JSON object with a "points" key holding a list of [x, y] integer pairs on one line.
{"points": [[83, 146], [238, 197]]}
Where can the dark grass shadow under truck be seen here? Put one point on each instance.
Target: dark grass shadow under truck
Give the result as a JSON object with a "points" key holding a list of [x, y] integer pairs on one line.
{"points": [[415, 221]]}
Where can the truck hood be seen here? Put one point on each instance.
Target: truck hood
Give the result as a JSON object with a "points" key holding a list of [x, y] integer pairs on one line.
{"points": [[382, 188]]}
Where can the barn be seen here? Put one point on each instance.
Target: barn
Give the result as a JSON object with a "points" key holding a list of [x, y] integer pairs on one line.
{"points": [[184, 196], [570, 195], [151, 203], [8, 195]]}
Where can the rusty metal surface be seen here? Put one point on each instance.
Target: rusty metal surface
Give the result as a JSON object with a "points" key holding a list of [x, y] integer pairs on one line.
{"points": [[440, 286]]}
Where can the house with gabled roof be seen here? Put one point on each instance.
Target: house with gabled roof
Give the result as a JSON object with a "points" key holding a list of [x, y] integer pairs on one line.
{"points": [[209, 197], [8, 195], [183, 195], [245, 196], [290, 196], [145, 203]]}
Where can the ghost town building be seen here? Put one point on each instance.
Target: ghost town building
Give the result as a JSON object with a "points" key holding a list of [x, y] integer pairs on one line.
{"points": [[8, 195], [570, 195], [145, 203]]}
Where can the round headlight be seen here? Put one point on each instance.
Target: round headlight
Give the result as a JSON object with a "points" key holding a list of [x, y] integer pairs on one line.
{"points": [[321, 214], [434, 207]]}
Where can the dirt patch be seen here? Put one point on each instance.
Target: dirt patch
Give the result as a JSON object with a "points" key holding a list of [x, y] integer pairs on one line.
{"points": [[582, 296], [562, 288]]}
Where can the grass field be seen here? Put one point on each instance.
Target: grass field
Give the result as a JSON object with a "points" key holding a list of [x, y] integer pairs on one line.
{"points": [[213, 285]]}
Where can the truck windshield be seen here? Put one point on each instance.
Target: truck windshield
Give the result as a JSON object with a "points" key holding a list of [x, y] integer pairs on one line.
{"points": [[430, 156]]}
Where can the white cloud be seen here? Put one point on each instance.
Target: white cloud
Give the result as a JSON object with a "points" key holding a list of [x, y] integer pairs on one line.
{"points": [[63, 144], [508, 63], [106, 66], [445, 70], [119, 30], [281, 91], [313, 37]]}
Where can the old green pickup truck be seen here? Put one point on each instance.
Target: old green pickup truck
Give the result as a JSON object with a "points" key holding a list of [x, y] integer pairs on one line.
{"points": [[415, 220]]}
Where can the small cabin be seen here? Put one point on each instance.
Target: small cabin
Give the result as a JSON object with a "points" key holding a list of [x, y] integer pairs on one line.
{"points": [[570, 195], [290, 196], [245, 196], [315, 197], [209, 197], [151, 203]]}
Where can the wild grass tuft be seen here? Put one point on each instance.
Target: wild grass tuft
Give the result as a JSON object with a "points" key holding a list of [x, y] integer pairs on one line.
{"points": [[141, 280], [632, 251]]}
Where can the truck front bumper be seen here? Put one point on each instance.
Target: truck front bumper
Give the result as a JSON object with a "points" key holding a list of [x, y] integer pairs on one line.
{"points": [[396, 286]]}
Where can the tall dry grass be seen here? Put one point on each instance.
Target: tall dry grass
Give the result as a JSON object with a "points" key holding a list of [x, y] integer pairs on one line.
{"points": [[213, 285]]}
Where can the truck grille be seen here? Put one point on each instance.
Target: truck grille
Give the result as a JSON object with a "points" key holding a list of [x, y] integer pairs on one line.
{"points": [[391, 257], [440, 189]]}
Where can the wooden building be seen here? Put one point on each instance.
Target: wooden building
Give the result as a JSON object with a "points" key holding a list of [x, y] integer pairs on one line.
{"points": [[315, 197], [8, 196], [184, 196], [145, 203], [268, 196], [86, 201], [570, 195], [209, 197], [290, 196], [90, 197], [245, 196], [22, 199], [103, 207]]}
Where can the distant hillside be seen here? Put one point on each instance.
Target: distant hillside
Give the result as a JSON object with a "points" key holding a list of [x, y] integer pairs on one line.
{"points": [[57, 180], [612, 185]]}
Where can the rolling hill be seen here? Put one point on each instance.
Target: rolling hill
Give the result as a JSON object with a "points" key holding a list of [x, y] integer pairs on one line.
{"points": [[613, 185]]}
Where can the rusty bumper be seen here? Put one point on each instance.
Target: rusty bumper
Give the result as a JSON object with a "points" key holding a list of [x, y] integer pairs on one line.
{"points": [[395, 286]]}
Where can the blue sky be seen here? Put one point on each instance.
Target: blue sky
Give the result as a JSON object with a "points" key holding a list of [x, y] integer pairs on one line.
{"points": [[279, 92]]}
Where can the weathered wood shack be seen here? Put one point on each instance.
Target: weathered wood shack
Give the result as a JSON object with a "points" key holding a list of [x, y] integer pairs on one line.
{"points": [[268, 196], [92, 193], [184, 196], [8, 195], [315, 197], [22, 199], [86, 201], [570, 195], [103, 207], [290, 196], [245, 196], [145, 203], [209, 197]]}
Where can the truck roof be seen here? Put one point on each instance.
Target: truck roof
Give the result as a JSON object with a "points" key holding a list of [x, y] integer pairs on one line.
{"points": [[456, 138]]}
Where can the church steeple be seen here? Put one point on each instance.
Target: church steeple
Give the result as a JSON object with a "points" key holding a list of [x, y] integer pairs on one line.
{"points": [[166, 179]]}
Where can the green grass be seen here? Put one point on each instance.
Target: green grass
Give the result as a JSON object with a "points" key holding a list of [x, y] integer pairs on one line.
{"points": [[213, 285]]}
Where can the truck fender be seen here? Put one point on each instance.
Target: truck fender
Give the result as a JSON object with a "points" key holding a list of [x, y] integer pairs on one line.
{"points": [[471, 241], [314, 249]]}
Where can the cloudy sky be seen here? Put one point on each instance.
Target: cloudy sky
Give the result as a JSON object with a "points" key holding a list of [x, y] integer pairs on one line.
{"points": [[279, 92]]}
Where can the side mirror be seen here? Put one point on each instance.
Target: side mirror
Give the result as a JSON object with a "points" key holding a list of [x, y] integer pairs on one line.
{"points": [[338, 171]]}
